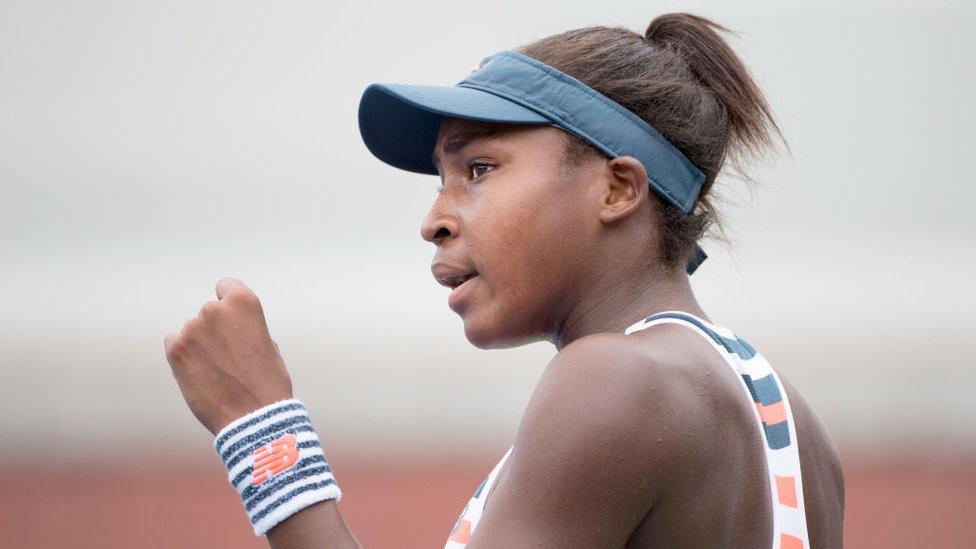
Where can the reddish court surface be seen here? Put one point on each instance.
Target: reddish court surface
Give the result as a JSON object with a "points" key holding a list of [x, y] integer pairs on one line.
{"points": [[895, 506]]}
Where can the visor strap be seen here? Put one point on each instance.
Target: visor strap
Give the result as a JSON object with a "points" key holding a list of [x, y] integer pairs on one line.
{"points": [[697, 258]]}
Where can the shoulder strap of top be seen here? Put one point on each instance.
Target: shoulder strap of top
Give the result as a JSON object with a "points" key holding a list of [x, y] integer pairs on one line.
{"points": [[719, 335], [773, 416], [471, 515]]}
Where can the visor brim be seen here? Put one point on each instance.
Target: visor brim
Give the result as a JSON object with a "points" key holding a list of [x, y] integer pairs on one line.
{"points": [[399, 122]]}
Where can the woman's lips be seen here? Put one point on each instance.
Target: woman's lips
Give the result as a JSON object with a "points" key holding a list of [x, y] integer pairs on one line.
{"points": [[458, 293], [450, 275], [458, 277]]}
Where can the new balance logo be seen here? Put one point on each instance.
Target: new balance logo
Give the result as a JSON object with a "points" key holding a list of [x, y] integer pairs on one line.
{"points": [[273, 458]]}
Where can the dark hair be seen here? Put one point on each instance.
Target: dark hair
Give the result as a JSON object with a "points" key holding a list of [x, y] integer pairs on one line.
{"points": [[685, 81]]}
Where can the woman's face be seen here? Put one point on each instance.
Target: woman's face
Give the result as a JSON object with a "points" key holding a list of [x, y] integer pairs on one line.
{"points": [[512, 228]]}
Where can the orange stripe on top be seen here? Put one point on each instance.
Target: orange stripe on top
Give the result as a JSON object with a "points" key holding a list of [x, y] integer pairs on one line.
{"points": [[772, 414], [786, 490], [787, 541], [462, 532]]}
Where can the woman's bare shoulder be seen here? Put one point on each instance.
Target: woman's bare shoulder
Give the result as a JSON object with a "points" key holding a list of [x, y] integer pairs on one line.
{"points": [[607, 433], [648, 397]]}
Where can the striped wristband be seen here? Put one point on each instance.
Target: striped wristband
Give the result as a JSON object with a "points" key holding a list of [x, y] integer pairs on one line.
{"points": [[275, 462]]}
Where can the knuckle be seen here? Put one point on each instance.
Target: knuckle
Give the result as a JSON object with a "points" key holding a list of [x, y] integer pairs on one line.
{"points": [[191, 330], [168, 343], [244, 298], [210, 309], [177, 349]]}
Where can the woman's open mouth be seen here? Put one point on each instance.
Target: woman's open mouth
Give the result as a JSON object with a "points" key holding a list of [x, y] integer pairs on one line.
{"points": [[456, 281], [455, 277], [460, 290], [450, 275]]}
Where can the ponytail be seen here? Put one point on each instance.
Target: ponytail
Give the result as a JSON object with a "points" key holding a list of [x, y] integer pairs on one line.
{"points": [[713, 64]]}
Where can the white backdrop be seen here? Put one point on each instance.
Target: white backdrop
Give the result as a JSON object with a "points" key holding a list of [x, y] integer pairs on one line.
{"points": [[148, 149]]}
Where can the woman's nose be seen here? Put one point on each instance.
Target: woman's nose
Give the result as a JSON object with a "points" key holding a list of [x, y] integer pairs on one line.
{"points": [[439, 225]]}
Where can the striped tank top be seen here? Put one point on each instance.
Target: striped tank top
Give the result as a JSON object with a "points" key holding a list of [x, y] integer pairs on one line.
{"points": [[774, 419]]}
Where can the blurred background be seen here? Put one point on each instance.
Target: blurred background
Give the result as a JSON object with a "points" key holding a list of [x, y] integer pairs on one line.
{"points": [[148, 149]]}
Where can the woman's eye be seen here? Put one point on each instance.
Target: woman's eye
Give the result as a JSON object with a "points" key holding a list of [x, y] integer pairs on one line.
{"points": [[479, 168]]}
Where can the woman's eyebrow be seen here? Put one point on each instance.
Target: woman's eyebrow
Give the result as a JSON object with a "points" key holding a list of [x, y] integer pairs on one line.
{"points": [[459, 141]]}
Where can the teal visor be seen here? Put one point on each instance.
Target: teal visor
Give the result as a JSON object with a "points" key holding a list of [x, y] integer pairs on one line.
{"points": [[399, 122]]}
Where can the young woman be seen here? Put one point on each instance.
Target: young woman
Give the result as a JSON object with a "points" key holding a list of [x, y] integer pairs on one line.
{"points": [[575, 177]]}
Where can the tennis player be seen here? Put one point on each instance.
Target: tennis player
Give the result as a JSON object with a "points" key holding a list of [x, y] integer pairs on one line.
{"points": [[575, 176]]}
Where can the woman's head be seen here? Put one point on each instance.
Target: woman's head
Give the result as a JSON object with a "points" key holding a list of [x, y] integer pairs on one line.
{"points": [[546, 220], [576, 170]]}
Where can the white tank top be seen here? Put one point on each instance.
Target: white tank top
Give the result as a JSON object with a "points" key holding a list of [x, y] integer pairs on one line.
{"points": [[774, 419]]}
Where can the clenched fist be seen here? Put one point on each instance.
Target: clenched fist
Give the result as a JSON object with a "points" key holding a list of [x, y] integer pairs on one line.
{"points": [[224, 359]]}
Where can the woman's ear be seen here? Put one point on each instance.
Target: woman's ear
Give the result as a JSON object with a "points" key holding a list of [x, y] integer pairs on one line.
{"points": [[626, 188]]}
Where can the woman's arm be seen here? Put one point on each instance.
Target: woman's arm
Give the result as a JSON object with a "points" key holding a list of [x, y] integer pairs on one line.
{"points": [[586, 467], [318, 525], [227, 366]]}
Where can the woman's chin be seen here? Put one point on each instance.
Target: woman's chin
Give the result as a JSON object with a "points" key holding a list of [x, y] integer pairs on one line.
{"points": [[495, 335]]}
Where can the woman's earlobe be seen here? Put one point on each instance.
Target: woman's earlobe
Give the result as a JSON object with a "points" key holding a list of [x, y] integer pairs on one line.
{"points": [[626, 188]]}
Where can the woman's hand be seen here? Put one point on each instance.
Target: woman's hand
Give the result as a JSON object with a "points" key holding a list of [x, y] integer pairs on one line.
{"points": [[224, 360]]}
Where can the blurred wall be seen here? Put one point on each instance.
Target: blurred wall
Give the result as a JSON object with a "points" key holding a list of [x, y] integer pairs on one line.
{"points": [[148, 149]]}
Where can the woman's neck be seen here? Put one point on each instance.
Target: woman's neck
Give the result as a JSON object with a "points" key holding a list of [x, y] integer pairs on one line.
{"points": [[612, 306]]}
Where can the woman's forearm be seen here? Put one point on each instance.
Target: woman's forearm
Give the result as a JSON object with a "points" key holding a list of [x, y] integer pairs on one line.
{"points": [[318, 525], [229, 369]]}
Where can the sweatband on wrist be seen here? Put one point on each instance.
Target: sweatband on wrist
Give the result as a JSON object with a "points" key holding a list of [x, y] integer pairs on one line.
{"points": [[275, 462]]}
